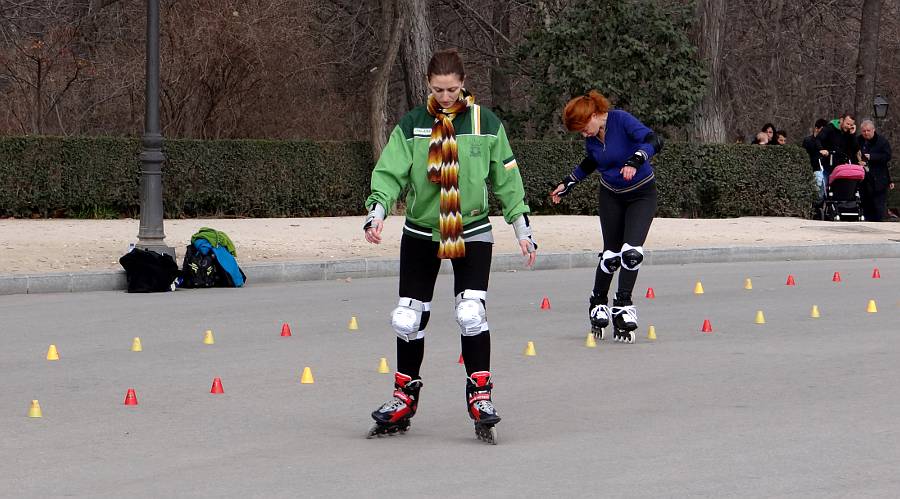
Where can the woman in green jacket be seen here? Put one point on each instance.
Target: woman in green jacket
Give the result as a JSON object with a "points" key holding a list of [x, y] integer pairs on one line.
{"points": [[445, 152]]}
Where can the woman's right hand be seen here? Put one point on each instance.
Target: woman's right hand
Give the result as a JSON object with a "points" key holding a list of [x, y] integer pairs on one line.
{"points": [[373, 233], [554, 194]]}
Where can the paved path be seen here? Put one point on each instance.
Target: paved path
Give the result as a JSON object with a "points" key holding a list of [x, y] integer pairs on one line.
{"points": [[797, 407]]}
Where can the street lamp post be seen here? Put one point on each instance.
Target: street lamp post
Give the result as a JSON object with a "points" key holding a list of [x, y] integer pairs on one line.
{"points": [[880, 105], [151, 235]]}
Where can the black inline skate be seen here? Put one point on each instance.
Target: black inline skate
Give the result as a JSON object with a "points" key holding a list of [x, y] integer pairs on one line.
{"points": [[599, 315], [393, 416], [624, 317], [481, 409]]}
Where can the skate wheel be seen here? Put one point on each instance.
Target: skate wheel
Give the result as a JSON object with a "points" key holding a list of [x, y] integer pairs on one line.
{"points": [[486, 434]]}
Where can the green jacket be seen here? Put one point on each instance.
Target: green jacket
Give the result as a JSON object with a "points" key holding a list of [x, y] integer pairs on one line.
{"points": [[484, 154], [215, 238]]}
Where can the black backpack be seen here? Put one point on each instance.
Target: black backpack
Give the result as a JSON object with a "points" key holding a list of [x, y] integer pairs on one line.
{"points": [[148, 271], [199, 270]]}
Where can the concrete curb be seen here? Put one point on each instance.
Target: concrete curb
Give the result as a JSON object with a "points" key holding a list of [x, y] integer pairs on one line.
{"points": [[386, 267]]}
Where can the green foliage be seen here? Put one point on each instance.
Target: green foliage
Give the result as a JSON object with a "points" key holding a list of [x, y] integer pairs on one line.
{"points": [[633, 51], [99, 178]]}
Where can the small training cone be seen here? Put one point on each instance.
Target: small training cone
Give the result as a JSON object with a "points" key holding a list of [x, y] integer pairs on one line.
{"points": [[707, 327], [136, 345], [460, 361], [698, 288], [285, 329], [760, 318], [836, 277], [307, 378], [35, 410], [545, 303], [876, 274], [650, 293], [529, 349], [217, 386], [871, 308], [651, 333], [354, 325], [748, 284], [790, 280], [208, 337], [383, 366], [590, 342], [52, 354], [131, 397], [814, 313]]}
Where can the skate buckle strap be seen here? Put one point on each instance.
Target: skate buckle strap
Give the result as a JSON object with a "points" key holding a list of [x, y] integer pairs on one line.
{"points": [[481, 378], [475, 397], [402, 396]]}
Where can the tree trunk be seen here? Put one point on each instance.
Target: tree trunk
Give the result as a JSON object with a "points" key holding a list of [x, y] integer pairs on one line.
{"points": [[500, 90], [709, 125], [416, 52], [867, 58], [392, 15]]}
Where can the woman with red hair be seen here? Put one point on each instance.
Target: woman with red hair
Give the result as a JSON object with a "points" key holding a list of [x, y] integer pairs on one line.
{"points": [[619, 147]]}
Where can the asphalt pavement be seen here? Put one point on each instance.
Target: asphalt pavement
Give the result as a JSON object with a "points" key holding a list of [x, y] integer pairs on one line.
{"points": [[795, 407]]}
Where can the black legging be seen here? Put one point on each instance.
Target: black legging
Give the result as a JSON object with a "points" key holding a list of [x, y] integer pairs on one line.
{"points": [[419, 267], [624, 218]]}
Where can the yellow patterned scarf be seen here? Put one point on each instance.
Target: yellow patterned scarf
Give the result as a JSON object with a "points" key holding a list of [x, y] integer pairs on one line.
{"points": [[443, 169]]}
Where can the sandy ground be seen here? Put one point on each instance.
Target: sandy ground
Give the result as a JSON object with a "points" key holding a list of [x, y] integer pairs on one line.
{"points": [[43, 246]]}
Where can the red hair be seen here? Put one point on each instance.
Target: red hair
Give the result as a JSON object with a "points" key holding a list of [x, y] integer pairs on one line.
{"points": [[579, 110]]}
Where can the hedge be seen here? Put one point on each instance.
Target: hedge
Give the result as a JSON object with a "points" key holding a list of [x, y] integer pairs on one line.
{"points": [[89, 177]]}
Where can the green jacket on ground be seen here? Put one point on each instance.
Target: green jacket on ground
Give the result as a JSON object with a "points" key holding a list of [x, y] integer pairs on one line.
{"points": [[484, 154], [215, 238]]}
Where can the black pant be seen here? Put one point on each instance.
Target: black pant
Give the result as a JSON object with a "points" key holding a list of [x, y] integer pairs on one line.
{"points": [[624, 218], [419, 267], [874, 202]]}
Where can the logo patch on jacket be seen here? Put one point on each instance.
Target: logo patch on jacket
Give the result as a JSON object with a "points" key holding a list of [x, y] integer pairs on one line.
{"points": [[475, 151]]}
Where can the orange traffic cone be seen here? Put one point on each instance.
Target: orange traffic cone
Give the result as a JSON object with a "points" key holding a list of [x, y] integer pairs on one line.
{"points": [[790, 280], [837, 277], [545, 304], [707, 327], [460, 361], [650, 293], [131, 397], [217, 386], [285, 329], [876, 274]]}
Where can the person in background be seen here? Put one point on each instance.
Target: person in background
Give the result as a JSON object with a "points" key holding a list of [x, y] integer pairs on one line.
{"points": [[761, 139], [780, 138], [769, 130], [837, 143], [812, 149], [875, 151]]}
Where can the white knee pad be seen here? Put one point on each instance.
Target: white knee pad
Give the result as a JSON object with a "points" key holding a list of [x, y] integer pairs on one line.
{"points": [[632, 256], [407, 317], [610, 262], [470, 313]]}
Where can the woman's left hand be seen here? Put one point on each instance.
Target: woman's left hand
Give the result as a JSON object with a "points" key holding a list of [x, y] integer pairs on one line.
{"points": [[528, 252], [628, 172]]}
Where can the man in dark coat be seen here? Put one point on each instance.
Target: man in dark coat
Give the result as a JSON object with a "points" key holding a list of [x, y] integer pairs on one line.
{"points": [[812, 148], [876, 156], [837, 142]]}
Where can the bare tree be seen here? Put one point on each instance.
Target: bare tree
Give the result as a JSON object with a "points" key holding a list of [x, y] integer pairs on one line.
{"points": [[501, 95], [393, 18], [416, 52], [867, 57], [709, 125]]}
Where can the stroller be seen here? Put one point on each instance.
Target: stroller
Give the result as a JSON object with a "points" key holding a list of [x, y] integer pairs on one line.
{"points": [[841, 200]]}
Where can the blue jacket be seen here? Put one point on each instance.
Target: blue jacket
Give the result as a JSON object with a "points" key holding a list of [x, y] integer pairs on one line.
{"points": [[624, 136], [224, 257]]}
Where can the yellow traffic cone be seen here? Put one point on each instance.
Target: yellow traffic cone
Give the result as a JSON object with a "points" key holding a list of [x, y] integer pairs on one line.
{"points": [[748, 284], [698, 288], [590, 342], [760, 318], [136, 345], [307, 378], [529, 349], [52, 354], [383, 366], [353, 324], [651, 333], [870, 308], [815, 312], [35, 410], [208, 337]]}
